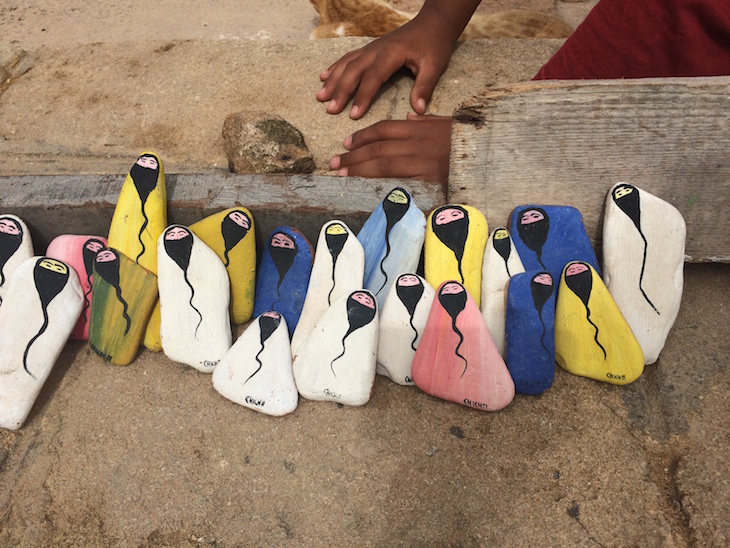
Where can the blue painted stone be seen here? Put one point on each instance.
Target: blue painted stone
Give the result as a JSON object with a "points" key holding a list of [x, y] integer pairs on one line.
{"points": [[283, 276], [549, 237], [530, 331], [392, 239]]}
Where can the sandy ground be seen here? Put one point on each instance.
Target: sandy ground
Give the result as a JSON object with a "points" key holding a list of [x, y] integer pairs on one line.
{"points": [[151, 455]]}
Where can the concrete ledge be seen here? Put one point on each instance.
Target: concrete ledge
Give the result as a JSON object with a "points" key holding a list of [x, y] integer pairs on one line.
{"points": [[84, 204]]}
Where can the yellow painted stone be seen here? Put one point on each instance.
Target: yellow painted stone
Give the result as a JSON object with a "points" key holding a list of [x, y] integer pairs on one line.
{"points": [[232, 235], [124, 295], [592, 338], [141, 213], [456, 236]]}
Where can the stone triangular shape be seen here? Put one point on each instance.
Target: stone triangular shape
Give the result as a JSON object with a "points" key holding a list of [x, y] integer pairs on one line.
{"points": [[337, 361], [643, 262], [592, 338], [257, 370], [402, 321], [79, 252], [195, 325], [454, 247], [530, 329], [501, 262], [338, 268], [392, 238], [42, 304], [456, 359]]}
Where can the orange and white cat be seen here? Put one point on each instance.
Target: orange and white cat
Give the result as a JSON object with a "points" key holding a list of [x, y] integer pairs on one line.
{"points": [[376, 17]]}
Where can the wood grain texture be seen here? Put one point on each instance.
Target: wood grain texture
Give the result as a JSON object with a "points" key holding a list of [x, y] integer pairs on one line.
{"points": [[567, 143]]}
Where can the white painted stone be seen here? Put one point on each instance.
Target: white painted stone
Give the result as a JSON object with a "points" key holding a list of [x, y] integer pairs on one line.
{"points": [[257, 374], [42, 304], [195, 326], [337, 361], [500, 263], [326, 285], [650, 237], [402, 321], [16, 247]]}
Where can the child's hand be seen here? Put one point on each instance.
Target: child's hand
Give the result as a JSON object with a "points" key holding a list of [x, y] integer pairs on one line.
{"points": [[423, 45], [415, 148]]}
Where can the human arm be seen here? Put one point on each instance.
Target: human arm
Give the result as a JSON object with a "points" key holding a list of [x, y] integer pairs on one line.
{"points": [[423, 45]]}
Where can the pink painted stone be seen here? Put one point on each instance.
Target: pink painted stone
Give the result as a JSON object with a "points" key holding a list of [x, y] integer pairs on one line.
{"points": [[79, 252], [457, 359]]}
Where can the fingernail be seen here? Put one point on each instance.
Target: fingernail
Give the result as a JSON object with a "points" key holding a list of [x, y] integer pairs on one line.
{"points": [[335, 162], [354, 111], [331, 106], [421, 106], [347, 142], [342, 172]]}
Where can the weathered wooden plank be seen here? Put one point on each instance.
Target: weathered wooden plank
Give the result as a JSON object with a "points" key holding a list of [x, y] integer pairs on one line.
{"points": [[83, 204], [568, 142]]}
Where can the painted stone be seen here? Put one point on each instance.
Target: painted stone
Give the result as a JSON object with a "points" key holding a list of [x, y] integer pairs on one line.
{"points": [[592, 338], [79, 252], [141, 212], [232, 235], [195, 325], [549, 237], [337, 361], [402, 321], [16, 247], [123, 297], [530, 330], [456, 236], [257, 371], [501, 262], [392, 238], [339, 264], [283, 276], [643, 262], [457, 359], [42, 304]]}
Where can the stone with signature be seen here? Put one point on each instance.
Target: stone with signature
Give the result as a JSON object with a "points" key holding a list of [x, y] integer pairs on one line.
{"points": [[257, 370], [195, 325], [337, 360]]}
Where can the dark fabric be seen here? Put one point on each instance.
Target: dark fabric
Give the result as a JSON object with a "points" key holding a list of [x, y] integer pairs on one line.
{"points": [[646, 38]]}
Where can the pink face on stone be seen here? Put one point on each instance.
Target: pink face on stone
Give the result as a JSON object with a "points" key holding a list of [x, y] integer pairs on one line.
{"points": [[9, 227], [544, 279], [452, 288], [147, 162], [408, 280], [177, 233], [106, 256], [240, 219], [271, 314], [448, 215], [575, 268], [94, 247], [282, 240], [364, 299], [531, 216]]}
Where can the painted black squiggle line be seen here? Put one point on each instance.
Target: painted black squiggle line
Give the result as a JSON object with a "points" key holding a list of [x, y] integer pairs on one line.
{"points": [[228, 260], [139, 236], [415, 334], [332, 363], [192, 294], [595, 337], [27, 348], [461, 340], [329, 295], [542, 337], [259, 362], [124, 311], [382, 261], [641, 276]]}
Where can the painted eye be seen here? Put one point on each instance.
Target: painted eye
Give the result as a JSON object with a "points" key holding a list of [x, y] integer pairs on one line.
{"points": [[282, 240], [397, 196], [54, 266], [176, 233], [501, 234], [531, 216], [575, 268], [451, 288], [621, 191], [239, 218]]}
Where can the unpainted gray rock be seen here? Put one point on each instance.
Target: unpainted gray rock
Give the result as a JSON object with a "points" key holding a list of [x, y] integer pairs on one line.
{"points": [[257, 142]]}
